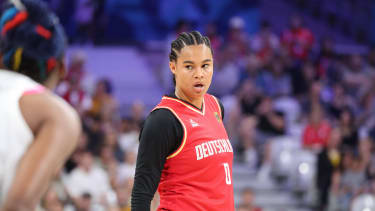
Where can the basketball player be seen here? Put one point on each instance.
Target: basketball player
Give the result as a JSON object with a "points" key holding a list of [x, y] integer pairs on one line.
{"points": [[38, 130], [184, 149]]}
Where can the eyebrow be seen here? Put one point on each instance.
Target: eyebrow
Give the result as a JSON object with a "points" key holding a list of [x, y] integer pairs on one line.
{"points": [[190, 62]]}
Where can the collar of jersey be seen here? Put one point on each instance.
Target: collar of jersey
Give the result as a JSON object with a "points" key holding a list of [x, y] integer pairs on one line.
{"points": [[187, 104]]}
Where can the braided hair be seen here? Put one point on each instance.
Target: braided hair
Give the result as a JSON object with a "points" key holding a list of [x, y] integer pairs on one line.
{"points": [[186, 39], [31, 38]]}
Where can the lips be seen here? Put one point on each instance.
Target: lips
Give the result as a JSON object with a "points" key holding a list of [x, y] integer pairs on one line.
{"points": [[198, 87]]}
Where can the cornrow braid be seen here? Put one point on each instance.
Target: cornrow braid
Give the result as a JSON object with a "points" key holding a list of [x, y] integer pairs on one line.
{"points": [[186, 39], [31, 38]]}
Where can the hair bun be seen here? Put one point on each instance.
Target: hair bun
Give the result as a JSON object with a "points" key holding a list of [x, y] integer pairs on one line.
{"points": [[39, 34]]}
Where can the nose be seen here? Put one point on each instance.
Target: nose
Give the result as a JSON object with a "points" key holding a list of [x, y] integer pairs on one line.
{"points": [[199, 73]]}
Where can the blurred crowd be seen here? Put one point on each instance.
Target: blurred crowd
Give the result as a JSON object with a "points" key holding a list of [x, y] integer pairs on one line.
{"points": [[294, 85], [95, 22], [272, 85], [99, 174]]}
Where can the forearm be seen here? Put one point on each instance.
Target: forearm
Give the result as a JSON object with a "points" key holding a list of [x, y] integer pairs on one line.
{"points": [[160, 136], [36, 169], [146, 181], [56, 128], [140, 201]]}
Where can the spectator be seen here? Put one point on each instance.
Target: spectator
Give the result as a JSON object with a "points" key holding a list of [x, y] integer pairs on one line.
{"points": [[247, 152], [242, 207], [123, 194], [84, 202], [251, 68], [76, 96], [353, 177], [298, 40], [107, 157], [276, 82], [215, 38], [329, 160], [316, 133], [350, 134], [88, 182], [111, 140], [248, 97], [126, 169], [327, 65], [302, 79], [129, 134], [371, 61], [247, 200], [238, 38], [339, 102], [93, 127], [270, 122], [51, 201], [138, 113], [103, 103], [355, 78], [335, 193], [265, 43], [74, 89], [72, 162], [314, 97], [227, 73], [370, 171]]}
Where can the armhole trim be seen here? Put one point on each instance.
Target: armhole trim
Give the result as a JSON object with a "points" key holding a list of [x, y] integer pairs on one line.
{"points": [[175, 153], [36, 90], [218, 105]]}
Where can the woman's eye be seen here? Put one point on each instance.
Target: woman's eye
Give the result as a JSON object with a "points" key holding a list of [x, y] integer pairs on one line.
{"points": [[189, 67], [205, 66]]}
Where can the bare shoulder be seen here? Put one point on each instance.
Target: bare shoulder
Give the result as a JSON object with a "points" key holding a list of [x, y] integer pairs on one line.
{"points": [[47, 107]]}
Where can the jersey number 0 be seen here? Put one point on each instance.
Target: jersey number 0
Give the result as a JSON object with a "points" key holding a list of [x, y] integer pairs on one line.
{"points": [[227, 174]]}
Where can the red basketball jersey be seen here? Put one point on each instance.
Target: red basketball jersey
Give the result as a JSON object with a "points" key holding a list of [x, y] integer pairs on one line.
{"points": [[198, 175]]}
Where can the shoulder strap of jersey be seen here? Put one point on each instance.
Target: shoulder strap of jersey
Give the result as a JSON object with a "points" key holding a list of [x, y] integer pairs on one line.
{"points": [[217, 103]]}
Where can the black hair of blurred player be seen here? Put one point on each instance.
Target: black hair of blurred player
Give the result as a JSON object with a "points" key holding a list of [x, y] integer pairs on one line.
{"points": [[32, 41]]}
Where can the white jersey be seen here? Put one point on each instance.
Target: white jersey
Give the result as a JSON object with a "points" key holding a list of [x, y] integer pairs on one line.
{"points": [[15, 134]]}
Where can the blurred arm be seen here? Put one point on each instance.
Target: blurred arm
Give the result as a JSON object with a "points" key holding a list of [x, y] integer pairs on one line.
{"points": [[56, 128]]}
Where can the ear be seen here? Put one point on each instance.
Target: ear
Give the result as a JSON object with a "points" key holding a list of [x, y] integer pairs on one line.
{"points": [[172, 67], [61, 68]]}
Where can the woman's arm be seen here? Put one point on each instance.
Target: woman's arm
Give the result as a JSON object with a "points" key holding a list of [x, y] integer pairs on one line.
{"points": [[161, 136], [56, 128]]}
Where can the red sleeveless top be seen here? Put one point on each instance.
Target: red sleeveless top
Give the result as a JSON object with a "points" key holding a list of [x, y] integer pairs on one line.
{"points": [[198, 175]]}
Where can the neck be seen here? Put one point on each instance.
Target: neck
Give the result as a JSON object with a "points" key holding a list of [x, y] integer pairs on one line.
{"points": [[197, 102], [52, 80]]}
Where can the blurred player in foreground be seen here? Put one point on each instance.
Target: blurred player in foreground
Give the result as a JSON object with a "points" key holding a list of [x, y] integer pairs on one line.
{"points": [[38, 130]]}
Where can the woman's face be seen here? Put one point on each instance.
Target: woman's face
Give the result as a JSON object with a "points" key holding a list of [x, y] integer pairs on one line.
{"points": [[346, 118], [193, 70]]}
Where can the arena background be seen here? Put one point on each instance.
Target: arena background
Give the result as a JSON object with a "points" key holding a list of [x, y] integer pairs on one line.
{"points": [[295, 77]]}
